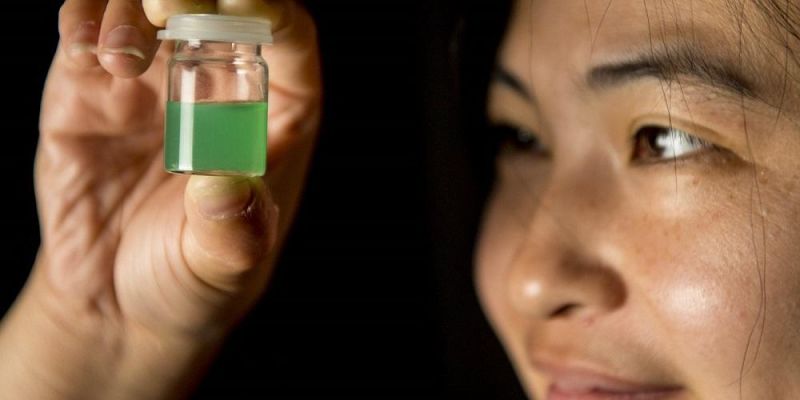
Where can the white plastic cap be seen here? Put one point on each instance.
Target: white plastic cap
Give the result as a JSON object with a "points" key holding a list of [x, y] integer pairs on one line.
{"points": [[218, 28]]}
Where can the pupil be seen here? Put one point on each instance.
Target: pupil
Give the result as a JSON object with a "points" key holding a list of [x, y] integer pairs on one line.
{"points": [[524, 139], [655, 140]]}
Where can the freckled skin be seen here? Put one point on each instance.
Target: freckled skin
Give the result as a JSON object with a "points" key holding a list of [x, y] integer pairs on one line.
{"points": [[674, 273]]}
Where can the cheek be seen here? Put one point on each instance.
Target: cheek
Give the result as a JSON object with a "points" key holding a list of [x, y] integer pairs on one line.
{"points": [[701, 298], [504, 228], [691, 304], [500, 230], [505, 225], [719, 276]]}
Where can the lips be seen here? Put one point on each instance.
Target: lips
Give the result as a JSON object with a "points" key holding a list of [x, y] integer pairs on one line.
{"points": [[572, 383], [556, 393]]}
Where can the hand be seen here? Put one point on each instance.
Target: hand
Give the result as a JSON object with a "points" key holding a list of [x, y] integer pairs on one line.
{"points": [[141, 273]]}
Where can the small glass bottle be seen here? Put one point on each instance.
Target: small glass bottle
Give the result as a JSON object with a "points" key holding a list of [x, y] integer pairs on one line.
{"points": [[216, 111]]}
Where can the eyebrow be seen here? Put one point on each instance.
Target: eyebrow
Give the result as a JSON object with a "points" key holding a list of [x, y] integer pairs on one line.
{"points": [[506, 78], [672, 63], [666, 64]]}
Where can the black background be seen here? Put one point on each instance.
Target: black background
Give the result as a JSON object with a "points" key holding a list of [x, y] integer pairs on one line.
{"points": [[368, 300]]}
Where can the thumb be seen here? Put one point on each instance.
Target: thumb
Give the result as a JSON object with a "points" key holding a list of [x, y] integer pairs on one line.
{"points": [[231, 228]]}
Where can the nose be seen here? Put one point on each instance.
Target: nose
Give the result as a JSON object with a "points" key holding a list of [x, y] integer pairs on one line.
{"points": [[559, 271]]}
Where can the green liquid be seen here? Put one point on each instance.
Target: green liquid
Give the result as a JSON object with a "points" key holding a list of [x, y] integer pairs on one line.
{"points": [[216, 138]]}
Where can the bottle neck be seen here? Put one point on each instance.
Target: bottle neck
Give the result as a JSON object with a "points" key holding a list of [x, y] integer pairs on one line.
{"points": [[202, 49]]}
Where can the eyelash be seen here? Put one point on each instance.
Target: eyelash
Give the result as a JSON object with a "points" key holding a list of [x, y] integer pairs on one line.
{"points": [[650, 143], [515, 139]]}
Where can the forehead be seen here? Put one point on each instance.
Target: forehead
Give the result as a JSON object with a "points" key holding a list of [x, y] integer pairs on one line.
{"points": [[576, 32], [555, 42]]}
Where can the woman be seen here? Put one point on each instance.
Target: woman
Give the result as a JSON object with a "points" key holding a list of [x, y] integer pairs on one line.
{"points": [[637, 242]]}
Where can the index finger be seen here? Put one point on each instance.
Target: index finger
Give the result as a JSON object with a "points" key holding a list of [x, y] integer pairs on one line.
{"points": [[293, 59], [117, 31]]}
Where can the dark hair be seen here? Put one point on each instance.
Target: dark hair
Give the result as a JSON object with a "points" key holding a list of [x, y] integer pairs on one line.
{"points": [[461, 38], [479, 34], [781, 23]]}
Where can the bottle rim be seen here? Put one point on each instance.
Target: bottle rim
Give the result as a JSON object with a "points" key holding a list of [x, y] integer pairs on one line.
{"points": [[219, 28]]}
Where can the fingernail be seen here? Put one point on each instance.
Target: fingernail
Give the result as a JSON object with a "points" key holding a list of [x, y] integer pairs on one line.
{"points": [[221, 197], [126, 40], [83, 40]]}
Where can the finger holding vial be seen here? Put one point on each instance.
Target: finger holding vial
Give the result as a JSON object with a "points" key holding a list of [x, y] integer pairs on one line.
{"points": [[273, 10], [159, 11], [117, 33], [127, 39]]}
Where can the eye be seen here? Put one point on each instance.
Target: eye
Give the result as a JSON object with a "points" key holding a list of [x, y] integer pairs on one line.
{"points": [[658, 143], [518, 139]]}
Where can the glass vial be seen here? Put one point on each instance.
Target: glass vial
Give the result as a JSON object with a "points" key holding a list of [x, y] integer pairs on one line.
{"points": [[216, 111]]}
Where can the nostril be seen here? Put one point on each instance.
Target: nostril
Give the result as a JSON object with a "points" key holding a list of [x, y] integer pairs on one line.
{"points": [[564, 311], [549, 283]]}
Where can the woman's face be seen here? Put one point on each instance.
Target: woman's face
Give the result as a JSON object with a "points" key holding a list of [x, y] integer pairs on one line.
{"points": [[643, 236]]}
